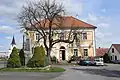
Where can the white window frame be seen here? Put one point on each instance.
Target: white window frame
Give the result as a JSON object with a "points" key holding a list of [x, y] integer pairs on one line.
{"points": [[37, 36], [61, 36], [85, 52], [27, 45], [76, 52], [84, 36]]}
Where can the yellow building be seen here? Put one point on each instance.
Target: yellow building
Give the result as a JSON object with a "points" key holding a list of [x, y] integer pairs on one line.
{"points": [[84, 44]]}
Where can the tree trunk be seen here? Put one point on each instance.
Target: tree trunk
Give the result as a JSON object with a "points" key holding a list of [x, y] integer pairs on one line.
{"points": [[48, 55]]}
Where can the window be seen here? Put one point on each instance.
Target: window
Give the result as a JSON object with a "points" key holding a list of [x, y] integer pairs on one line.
{"points": [[112, 50], [27, 47], [85, 52], [115, 57], [84, 36], [61, 36], [76, 52], [111, 57], [37, 36]]}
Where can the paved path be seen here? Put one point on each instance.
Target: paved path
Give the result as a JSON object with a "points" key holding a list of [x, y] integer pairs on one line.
{"points": [[111, 72], [26, 75]]}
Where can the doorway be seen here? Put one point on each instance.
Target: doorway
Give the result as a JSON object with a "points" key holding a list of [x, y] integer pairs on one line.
{"points": [[62, 52]]}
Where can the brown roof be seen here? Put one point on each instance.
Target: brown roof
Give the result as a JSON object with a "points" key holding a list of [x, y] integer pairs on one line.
{"points": [[70, 22], [101, 51], [117, 46]]}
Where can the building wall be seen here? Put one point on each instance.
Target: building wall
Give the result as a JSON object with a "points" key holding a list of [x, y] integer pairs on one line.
{"points": [[116, 53], [69, 50]]}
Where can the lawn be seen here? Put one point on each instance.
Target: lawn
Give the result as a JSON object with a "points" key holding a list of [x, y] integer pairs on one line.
{"points": [[52, 69]]}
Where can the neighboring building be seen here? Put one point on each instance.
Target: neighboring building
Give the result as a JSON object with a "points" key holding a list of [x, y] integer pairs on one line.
{"points": [[3, 54], [83, 46], [114, 52], [100, 52], [13, 44]]}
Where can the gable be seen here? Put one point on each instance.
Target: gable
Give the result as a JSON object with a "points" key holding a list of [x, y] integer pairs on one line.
{"points": [[116, 48]]}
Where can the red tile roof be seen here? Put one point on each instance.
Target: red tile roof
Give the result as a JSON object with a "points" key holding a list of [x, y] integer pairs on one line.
{"points": [[101, 51], [70, 22]]}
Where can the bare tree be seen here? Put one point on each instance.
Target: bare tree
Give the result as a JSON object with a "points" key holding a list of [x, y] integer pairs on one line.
{"points": [[43, 17]]}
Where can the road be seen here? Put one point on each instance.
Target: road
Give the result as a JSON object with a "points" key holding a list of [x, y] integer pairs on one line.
{"points": [[110, 72]]}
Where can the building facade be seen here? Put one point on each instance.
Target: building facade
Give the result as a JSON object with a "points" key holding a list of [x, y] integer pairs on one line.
{"points": [[114, 52], [84, 45]]}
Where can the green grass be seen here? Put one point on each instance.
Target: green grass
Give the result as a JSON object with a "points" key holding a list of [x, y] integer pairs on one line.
{"points": [[52, 69]]}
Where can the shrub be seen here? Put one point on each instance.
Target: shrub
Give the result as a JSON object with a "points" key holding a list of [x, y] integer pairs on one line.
{"points": [[22, 57], [14, 60], [54, 59], [38, 59], [73, 58], [46, 63], [106, 58]]}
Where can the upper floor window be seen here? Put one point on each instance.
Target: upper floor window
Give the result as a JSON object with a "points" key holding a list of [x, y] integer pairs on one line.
{"points": [[61, 36], [76, 52], [27, 45], [37, 36], [112, 50], [84, 36], [85, 52]]}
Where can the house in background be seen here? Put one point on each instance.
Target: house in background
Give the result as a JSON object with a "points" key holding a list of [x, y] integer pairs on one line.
{"points": [[114, 52], [100, 52], [84, 46]]}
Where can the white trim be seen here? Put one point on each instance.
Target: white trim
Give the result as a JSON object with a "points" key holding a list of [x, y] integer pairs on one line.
{"points": [[84, 45], [94, 44]]}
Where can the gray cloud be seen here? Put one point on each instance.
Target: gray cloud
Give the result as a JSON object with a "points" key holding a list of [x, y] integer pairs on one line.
{"points": [[9, 10]]}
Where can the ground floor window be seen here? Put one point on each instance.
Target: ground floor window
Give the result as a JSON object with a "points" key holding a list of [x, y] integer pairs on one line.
{"points": [[111, 57], [76, 52], [115, 57], [85, 52]]}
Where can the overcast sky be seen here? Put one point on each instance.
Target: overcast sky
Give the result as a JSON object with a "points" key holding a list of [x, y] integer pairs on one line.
{"points": [[105, 14]]}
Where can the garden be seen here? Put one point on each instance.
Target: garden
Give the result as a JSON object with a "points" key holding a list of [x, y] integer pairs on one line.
{"points": [[38, 63]]}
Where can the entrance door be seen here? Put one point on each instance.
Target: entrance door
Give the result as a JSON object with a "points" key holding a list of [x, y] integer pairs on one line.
{"points": [[62, 52], [63, 55]]}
